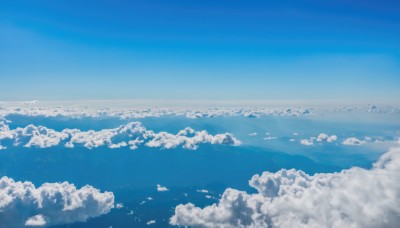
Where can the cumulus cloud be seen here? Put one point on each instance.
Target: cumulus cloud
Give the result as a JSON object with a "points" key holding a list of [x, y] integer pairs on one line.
{"points": [[307, 142], [22, 204], [355, 197], [324, 137], [132, 134], [353, 141], [320, 138], [161, 188], [37, 220]]}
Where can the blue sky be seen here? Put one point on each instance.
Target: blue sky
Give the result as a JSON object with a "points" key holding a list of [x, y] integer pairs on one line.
{"points": [[202, 50]]}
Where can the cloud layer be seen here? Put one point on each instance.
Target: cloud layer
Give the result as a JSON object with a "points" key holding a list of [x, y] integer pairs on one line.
{"points": [[22, 204], [132, 134], [290, 198], [34, 108]]}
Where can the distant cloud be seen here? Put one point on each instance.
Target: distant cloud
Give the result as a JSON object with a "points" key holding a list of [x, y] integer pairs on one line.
{"points": [[161, 188], [22, 204], [320, 138], [307, 142], [31, 102], [270, 138], [253, 134], [291, 198], [151, 222], [132, 134], [353, 141], [29, 109], [324, 137]]}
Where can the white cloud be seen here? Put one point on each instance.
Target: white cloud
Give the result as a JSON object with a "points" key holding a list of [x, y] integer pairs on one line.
{"points": [[132, 134], [161, 188], [306, 142], [353, 141], [33, 108], [289, 198], [21, 203], [320, 138], [31, 102], [270, 138], [202, 191], [151, 222], [37, 220], [119, 205], [253, 134]]}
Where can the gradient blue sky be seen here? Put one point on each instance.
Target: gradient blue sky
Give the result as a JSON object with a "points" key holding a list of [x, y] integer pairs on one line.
{"points": [[205, 49]]}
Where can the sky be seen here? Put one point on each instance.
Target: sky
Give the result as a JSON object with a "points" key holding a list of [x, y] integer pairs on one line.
{"points": [[200, 50]]}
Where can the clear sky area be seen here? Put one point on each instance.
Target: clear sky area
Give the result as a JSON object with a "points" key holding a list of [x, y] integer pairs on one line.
{"points": [[200, 50]]}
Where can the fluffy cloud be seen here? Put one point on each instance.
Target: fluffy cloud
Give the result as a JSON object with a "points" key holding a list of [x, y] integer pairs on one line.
{"points": [[307, 142], [37, 220], [324, 137], [320, 138], [22, 204], [289, 198], [133, 134], [353, 141], [161, 188]]}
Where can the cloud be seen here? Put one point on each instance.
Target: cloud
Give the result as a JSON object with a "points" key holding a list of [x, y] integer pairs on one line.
{"points": [[31, 102], [324, 137], [355, 197], [151, 222], [270, 138], [161, 188], [353, 141], [320, 138], [253, 134], [307, 142], [132, 134], [37, 220], [21, 203], [32, 108]]}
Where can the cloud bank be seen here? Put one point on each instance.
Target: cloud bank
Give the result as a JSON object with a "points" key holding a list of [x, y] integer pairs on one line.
{"points": [[31, 108], [22, 204], [132, 134], [290, 198]]}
